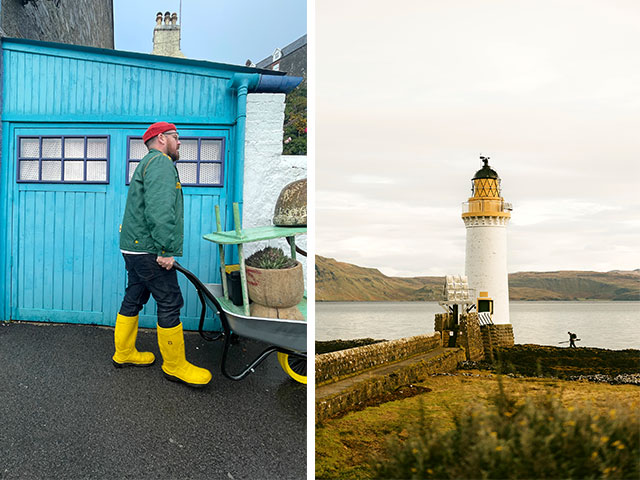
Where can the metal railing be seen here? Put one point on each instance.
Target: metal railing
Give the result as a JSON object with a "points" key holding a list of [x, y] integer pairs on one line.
{"points": [[480, 206]]}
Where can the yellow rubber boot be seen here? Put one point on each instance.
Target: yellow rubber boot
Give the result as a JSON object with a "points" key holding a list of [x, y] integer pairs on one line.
{"points": [[125, 341], [175, 365]]}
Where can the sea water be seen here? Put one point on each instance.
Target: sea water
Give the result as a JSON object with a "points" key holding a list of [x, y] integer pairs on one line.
{"points": [[612, 325]]}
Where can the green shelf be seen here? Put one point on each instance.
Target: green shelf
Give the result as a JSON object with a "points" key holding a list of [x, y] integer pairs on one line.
{"points": [[239, 237]]}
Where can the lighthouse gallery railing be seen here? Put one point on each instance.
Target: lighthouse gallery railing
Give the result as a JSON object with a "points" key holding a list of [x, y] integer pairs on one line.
{"points": [[486, 205]]}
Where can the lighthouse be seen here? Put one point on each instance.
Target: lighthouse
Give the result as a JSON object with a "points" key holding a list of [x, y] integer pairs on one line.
{"points": [[485, 217]]}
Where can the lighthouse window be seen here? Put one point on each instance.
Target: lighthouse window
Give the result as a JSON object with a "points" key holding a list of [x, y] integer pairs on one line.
{"points": [[486, 187], [201, 160], [63, 159]]}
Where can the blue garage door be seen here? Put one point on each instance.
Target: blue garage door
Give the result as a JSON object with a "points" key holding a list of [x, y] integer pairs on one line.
{"points": [[69, 192]]}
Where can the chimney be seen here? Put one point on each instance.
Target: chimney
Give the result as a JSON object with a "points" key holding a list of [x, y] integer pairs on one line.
{"points": [[166, 36]]}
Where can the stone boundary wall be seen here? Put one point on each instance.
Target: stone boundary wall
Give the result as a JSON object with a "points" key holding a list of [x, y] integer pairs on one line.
{"points": [[334, 366], [447, 361], [496, 336], [443, 321], [470, 337]]}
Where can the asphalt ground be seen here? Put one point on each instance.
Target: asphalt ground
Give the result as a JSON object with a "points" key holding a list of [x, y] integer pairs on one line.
{"points": [[66, 412]]}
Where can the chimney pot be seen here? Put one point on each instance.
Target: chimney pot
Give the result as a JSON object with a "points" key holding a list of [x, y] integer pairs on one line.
{"points": [[166, 38]]}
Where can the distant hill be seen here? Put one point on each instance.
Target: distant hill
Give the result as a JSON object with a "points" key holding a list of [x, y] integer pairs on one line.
{"points": [[339, 281]]}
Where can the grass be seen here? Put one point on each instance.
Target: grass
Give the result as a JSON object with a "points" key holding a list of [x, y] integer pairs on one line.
{"points": [[351, 447]]}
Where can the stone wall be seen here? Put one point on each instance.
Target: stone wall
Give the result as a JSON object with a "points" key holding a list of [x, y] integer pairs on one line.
{"points": [[466, 333], [443, 321], [470, 337], [496, 336], [334, 366], [447, 361], [78, 22], [266, 170]]}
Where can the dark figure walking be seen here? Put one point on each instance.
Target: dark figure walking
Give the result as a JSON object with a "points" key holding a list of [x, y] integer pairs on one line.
{"points": [[572, 340]]}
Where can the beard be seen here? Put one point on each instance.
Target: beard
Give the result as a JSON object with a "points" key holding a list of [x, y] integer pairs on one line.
{"points": [[175, 155]]}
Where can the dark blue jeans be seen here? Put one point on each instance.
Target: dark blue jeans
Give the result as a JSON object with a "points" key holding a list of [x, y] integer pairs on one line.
{"points": [[147, 278]]}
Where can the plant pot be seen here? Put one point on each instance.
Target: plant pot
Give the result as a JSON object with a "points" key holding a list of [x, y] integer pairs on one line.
{"points": [[282, 288], [289, 313]]}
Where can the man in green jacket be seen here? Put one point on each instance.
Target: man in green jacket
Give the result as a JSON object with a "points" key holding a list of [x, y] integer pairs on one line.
{"points": [[151, 235]]}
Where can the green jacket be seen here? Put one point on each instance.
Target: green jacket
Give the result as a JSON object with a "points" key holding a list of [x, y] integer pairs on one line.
{"points": [[154, 216]]}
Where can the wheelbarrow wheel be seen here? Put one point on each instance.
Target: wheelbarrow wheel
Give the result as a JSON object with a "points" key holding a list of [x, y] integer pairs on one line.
{"points": [[295, 367]]}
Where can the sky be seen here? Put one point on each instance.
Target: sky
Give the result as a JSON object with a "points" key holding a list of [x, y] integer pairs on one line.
{"points": [[224, 31], [409, 97]]}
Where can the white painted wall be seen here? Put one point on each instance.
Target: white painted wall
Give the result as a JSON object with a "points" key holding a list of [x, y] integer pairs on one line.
{"points": [[266, 170], [486, 262]]}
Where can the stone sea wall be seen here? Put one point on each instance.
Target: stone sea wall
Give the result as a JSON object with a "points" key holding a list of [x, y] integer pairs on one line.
{"points": [[334, 366]]}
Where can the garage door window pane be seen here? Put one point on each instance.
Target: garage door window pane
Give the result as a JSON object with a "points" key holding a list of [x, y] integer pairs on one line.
{"points": [[30, 147], [137, 149], [51, 170], [210, 173], [96, 148], [96, 171], [74, 148], [73, 171], [29, 170], [188, 172], [51, 148], [132, 169], [210, 150], [188, 149]]}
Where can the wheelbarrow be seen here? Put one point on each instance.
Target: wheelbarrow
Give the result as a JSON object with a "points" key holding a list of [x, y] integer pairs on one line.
{"points": [[286, 337]]}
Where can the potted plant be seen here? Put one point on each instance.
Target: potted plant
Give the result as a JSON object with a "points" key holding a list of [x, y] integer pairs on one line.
{"points": [[275, 284]]}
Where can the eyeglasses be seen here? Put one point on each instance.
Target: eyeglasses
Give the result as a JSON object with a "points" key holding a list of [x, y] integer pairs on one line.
{"points": [[174, 134]]}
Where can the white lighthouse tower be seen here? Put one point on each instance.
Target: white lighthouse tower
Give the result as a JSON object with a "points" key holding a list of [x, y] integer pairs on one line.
{"points": [[485, 217]]}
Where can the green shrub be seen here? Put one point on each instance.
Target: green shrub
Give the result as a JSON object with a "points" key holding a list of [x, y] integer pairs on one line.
{"points": [[295, 121], [270, 258], [529, 438]]}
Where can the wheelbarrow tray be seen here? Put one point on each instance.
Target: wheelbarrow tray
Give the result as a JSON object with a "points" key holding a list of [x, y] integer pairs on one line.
{"points": [[286, 337], [283, 333]]}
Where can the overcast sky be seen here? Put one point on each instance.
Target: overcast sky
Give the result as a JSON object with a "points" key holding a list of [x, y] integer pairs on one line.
{"points": [[410, 94], [222, 31]]}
